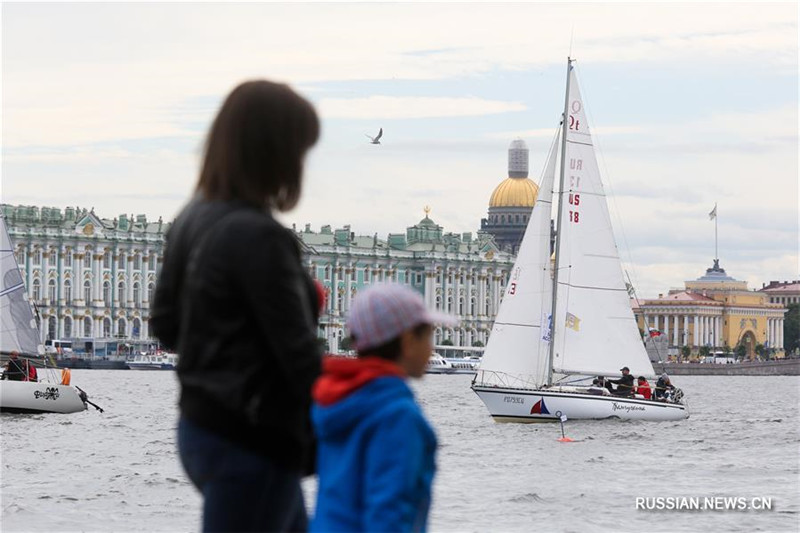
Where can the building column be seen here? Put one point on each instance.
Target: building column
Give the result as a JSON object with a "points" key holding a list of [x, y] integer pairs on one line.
{"points": [[675, 330], [334, 289], [780, 333], [348, 287], [129, 285], [696, 330]]}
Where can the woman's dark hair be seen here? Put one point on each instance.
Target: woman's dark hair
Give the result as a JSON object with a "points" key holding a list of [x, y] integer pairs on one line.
{"points": [[391, 349], [254, 151]]}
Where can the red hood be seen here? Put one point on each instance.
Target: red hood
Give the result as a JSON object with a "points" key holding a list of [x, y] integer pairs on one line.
{"points": [[341, 376]]}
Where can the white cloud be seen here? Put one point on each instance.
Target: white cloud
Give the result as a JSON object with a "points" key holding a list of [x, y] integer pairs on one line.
{"points": [[410, 107]]}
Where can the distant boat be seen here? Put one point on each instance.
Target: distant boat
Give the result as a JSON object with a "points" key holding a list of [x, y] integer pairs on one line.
{"points": [[20, 333], [556, 328], [440, 365], [161, 361]]}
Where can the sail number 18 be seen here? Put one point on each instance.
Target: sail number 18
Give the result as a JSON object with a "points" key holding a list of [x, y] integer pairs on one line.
{"points": [[574, 199]]}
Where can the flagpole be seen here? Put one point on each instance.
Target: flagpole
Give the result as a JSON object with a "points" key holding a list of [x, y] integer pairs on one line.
{"points": [[716, 238]]}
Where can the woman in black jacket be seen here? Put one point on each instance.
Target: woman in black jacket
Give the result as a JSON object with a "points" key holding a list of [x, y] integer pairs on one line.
{"points": [[235, 302]]}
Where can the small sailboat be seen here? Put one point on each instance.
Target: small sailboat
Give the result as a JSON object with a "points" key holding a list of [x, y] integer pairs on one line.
{"points": [[561, 322], [19, 333]]}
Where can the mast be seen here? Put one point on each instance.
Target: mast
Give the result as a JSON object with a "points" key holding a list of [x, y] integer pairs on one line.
{"points": [[564, 128]]}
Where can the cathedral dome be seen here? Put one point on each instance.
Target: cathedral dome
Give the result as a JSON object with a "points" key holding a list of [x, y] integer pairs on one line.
{"points": [[515, 192]]}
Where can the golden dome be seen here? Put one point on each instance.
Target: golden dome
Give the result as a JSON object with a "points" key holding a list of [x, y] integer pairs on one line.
{"points": [[515, 192]]}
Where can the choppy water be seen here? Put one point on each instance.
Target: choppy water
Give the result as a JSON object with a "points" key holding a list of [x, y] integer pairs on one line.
{"points": [[119, 471]]}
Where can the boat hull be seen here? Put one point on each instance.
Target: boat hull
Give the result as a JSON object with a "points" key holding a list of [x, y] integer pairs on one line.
{"points": [[150, 366], [527, 406], [39, 397]]}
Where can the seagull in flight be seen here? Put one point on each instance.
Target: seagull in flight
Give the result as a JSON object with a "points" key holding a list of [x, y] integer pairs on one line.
{"points": [[376, 139]]}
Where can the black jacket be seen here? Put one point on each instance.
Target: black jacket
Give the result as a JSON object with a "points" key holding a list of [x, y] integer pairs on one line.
{"points": [[624, 384], [235, 302], [15, 370]]}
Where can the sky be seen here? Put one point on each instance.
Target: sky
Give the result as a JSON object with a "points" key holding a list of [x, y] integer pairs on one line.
{"points": [[691, 105]]}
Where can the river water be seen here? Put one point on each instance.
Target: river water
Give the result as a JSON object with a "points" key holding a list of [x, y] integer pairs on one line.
{"points": [[118, 471]]}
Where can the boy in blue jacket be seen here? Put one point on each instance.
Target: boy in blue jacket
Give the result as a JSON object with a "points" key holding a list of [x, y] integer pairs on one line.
{"points": [[375, 455]]}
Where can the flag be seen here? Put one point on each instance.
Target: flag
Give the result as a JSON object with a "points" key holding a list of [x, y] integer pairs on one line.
{"points": [[713, 214], [573, 322], [654, 332]]}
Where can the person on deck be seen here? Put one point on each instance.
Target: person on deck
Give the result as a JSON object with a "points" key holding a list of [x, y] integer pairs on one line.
{"points": [[664, 387], [235, 300], [624, 384], [16, 369], [643, 388]]}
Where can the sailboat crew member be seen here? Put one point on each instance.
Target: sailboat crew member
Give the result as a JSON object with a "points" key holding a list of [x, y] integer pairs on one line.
{"points": [[18, 369], [624, 384]]}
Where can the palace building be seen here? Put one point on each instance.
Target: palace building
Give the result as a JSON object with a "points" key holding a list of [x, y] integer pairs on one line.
{"points": [[714, 311], [87, 276], [459, 274]]}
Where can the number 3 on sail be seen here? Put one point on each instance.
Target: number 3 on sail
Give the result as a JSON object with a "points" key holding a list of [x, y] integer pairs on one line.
{"points": [[530, 357]]}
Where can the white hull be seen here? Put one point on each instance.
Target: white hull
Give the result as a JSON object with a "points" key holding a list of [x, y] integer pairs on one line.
{"points": [[542, 405], [39, 397], [150, 366]]}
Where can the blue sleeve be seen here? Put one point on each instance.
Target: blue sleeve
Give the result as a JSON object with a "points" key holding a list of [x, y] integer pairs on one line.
{"points": [[394, 460]]}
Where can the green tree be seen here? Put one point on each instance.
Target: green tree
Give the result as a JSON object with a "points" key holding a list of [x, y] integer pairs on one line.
{"points": [[791, 328], [346, 344], [685, 351], [477, 344], [740, 351], [446, 342], [705, 351]]}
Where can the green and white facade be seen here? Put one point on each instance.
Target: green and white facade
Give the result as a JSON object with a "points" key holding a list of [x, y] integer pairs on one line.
{"points": [[95, 277], [88, 276], [456, 273]]}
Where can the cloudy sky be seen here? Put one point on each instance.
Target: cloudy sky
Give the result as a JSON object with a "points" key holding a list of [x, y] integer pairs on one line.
{"points": [[106, 106]]}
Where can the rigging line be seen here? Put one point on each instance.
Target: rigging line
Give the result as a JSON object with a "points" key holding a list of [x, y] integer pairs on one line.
{"points": [[581, 143], [592, 288], [607, 175], [520, 325]]}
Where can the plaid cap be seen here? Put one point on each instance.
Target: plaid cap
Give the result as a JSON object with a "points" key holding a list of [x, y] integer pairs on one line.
{"points": [[383, 311]]}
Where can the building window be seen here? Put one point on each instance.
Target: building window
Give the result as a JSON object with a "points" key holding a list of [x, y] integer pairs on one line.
{"points": [[137, 293], [67, 326], [87, 258], [106, 327], [327, 273], [137, 326], [107, 293], [37, 290], [121, 293], [107, 260], [152, 260], [67, 292], [68, 259], [87, 327], [53, 256], [87, 292], [150, 290], [51, 291], [19, 255], [121, 261], [37, 257], [137, 261], [366, 274], [121, 328]]}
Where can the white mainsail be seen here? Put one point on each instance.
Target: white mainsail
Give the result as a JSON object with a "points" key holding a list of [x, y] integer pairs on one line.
{"points": [[18, 329], [595, 330], [518, 346]]}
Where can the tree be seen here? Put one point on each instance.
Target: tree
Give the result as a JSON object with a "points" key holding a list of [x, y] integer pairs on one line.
{"points": [[446, 342], [685, 351], [791, 328], [760, 350], [477, 344], [705, 351], [741, 351]]}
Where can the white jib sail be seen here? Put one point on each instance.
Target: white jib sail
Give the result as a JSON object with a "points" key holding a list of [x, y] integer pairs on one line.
{"points": [[18, 330], [596, 332], [517, 350]]}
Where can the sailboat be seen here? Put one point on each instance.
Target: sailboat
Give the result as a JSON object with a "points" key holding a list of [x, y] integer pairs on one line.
{"points": [[566, 319], [19, 333]]}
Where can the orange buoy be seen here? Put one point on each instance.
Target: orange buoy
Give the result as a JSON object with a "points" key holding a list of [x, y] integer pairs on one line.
{"points": [[66, 376]]}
